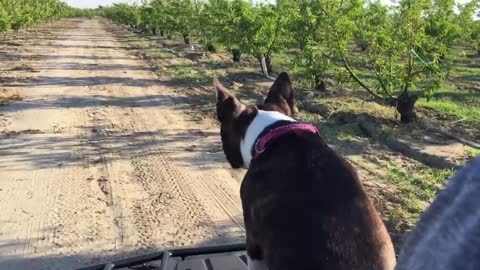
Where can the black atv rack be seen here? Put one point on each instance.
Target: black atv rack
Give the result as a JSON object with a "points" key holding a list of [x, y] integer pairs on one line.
{"points": [[169, 259]]}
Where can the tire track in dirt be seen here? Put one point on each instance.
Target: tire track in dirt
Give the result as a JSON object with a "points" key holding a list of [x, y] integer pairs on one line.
{"points": [[213, 195], [104, 173], [167, 182]]}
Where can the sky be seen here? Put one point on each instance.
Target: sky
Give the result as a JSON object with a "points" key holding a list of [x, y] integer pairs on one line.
{"points": [[96, 3]]}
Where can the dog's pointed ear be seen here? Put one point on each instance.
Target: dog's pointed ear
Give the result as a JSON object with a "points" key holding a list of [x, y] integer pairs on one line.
{"points": [[228, 106], [281, 92], [222, 93]]}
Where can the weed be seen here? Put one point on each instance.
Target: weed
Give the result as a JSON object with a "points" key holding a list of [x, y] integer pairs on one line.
{"points": [[163, 54], [417, 186], [472, 152], [345, 136]]}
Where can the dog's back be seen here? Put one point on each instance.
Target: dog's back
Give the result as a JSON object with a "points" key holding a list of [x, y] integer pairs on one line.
{"points": [[308, 210], [304, 206]]}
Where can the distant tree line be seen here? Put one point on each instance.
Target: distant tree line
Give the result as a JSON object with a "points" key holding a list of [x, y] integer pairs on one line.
{"points": [[18, 14]]}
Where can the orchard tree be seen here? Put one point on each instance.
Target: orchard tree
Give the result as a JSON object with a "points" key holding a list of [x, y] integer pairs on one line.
{"points": [[403, 60], [201, 18], [323, 31], [124, 14], [369, 23], [180, 18], [148, 19], [399, 51], [260, 32], [161, 18], [471, 27], [18, 14], [243, 28], [271, 34], [442, 27], [220, 20], [5, 20], [211, 19]]}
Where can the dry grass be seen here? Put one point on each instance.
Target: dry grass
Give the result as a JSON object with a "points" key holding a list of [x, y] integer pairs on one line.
{"points": [[9, 95]]}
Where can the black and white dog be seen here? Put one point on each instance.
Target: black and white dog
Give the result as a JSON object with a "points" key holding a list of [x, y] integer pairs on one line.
{"points": [[304, 206]]}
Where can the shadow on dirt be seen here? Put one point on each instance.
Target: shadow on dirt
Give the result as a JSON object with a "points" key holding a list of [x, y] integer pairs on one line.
{"points": [[63, 46], [16, 56], [93, 67], [75, 81], [458, 96], [92, 101], [470, 78]]}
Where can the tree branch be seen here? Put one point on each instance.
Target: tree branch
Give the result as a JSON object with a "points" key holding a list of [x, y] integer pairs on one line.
{"points": [[355, 77], [382, 83]]}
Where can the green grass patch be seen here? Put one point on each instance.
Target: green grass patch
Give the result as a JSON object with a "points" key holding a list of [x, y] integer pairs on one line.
{"points": [[346, 136], [466, 72], [472, 152], [461, 97], [469, 113], [417, 186], [186, 72]]}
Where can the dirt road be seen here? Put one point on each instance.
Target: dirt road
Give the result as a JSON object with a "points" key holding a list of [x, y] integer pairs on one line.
{"points": [[100, 159]]}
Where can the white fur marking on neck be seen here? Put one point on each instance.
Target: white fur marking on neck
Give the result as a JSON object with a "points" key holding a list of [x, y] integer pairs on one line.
{"points": [[262, 120]]}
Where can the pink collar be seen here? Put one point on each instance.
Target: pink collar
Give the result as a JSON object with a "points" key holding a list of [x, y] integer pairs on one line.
{"points": [[273, 134]]}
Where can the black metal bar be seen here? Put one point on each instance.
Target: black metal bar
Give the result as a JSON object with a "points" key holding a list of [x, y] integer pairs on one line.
{"points": [[165, 257], [185, 252], [127, 261], [182, 253]]}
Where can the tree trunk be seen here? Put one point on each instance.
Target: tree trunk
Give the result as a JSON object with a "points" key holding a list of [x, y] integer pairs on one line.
{"points": [[211, 48], [268, 62], [154, 31], [236, 55], [405, 105], [263, 65], [162, 33], [320, 84], [186, 39]]}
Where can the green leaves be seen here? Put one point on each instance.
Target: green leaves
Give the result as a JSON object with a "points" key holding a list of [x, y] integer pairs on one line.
{"points": [[327, 38], [409, 46], [471, 27], [5, 20], [124, 14], [256, 30], [18, 14], [323, 30]]}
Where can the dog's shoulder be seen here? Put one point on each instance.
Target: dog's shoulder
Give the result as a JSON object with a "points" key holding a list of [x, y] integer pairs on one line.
{"points": [[305, 192]]}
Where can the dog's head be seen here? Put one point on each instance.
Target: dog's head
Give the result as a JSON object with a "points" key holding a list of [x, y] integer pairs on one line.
{"points": [[235, 116]]}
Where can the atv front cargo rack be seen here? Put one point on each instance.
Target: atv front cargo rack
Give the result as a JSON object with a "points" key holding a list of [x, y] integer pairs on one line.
{"points": [[226, 257]]}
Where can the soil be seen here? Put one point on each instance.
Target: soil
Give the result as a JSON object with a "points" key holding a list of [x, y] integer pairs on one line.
{"points": [[92, 160]]}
